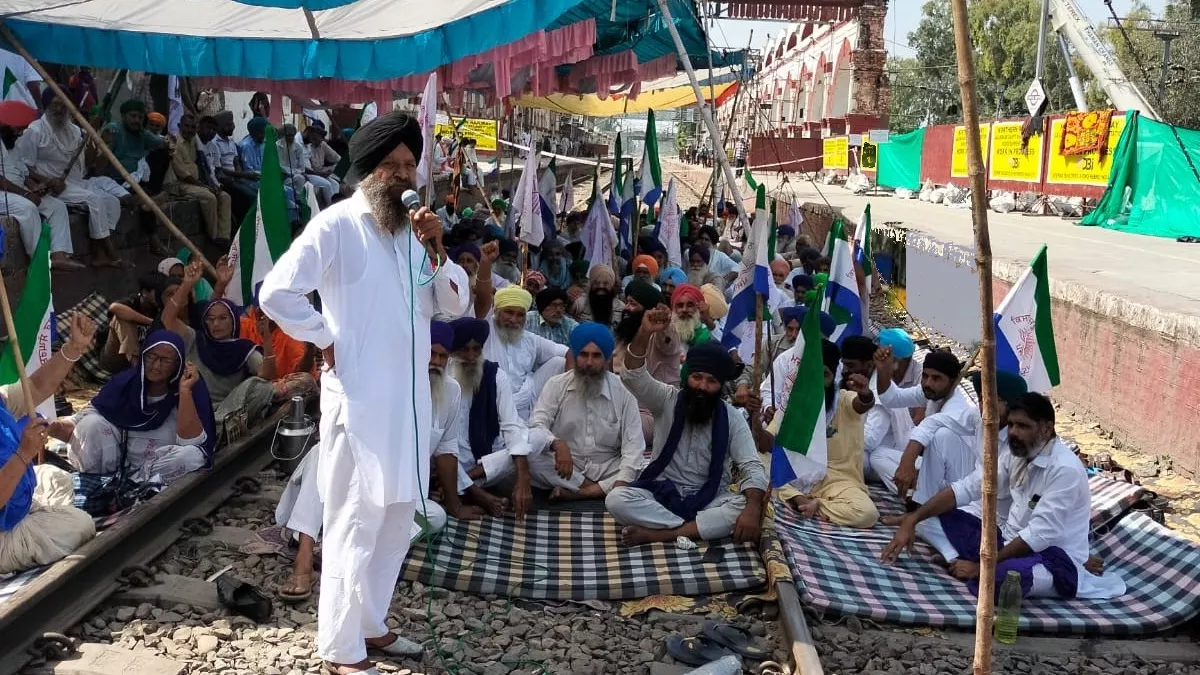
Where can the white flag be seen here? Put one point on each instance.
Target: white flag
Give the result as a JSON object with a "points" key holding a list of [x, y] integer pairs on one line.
{"points": [[567, 204], [528, 206], [668, 231], [427, 118]]}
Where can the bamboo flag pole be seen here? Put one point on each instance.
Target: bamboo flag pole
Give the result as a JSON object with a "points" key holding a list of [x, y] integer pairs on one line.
{"points": [[18, 359], [984, 610], [87, 129]]}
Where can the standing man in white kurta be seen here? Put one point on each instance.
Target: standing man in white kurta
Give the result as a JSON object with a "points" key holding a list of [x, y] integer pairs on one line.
{"points": [[366, 258]]}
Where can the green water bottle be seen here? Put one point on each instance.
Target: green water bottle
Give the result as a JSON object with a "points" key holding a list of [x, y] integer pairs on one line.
{"points": [[1008, 611]]}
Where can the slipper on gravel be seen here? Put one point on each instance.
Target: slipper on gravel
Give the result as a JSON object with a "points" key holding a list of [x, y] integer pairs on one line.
{"points": [[695, 651], [295, 598], [734, 638]]}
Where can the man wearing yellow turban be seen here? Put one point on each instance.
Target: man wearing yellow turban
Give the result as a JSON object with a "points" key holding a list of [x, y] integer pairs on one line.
{"points": [[528, 359]]}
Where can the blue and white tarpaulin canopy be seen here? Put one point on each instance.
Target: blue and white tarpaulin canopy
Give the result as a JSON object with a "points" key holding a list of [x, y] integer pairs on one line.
{"points": [[276, 39]]}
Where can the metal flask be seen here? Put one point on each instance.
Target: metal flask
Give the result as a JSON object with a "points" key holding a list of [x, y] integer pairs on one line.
{"points": [[295, 434]]}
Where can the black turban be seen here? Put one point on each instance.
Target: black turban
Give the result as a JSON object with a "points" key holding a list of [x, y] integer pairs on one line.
{"points": [[943, 362], [831, 355], [375, 141], [1009, 386], [858, 348], [508, 246], [711, 358], [132, 105], [547, 296], [646, 295], [469, 329]]}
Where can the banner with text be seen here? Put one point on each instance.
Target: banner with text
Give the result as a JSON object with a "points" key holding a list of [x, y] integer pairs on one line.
{"points": [[837, 153], [484, 132], [958, 159], [1009, 159], [1086, 169]]}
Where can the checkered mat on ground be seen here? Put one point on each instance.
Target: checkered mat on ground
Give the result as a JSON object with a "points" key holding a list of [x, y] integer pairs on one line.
{"points": [[560, 555], [837, 572]]}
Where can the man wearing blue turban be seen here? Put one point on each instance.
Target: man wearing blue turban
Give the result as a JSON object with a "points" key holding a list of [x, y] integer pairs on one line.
{"points": [[586, 430]]}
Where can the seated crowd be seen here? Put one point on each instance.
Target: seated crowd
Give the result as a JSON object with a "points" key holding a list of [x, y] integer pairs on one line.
{"points": [[565, 377]]}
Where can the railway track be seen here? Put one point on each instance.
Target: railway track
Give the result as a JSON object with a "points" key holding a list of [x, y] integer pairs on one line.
{"points": [[38, 614]]}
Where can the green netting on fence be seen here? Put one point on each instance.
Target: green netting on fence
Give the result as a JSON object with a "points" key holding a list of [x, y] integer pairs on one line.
{"points": [[900, 160], [1152, 189]]}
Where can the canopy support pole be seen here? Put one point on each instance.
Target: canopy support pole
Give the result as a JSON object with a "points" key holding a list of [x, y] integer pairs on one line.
{"points": [[108, 153], [705, 111]]}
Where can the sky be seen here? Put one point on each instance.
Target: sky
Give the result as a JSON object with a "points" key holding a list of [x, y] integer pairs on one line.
{"points": [[735, 33]]}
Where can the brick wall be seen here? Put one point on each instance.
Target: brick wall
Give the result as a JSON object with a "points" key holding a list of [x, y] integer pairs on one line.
{"points": [[1143, 386], [872, 91]]}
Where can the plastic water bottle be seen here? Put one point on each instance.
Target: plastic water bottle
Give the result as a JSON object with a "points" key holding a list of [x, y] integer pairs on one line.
{"points": [[1008, 612]]}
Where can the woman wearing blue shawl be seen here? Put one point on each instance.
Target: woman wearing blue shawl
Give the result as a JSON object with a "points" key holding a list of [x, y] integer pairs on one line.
{"points": [[239, 374], [159, 408]]}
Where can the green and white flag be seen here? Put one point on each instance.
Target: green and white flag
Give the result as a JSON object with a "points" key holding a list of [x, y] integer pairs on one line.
{"points": [[801, 454], [13, 89], [650, 185], [34, 321], [1025, 329], [265, 233]]}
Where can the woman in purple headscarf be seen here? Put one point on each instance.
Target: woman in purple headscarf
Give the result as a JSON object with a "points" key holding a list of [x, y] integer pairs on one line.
{"points": [[240, 375], [158, 409]]}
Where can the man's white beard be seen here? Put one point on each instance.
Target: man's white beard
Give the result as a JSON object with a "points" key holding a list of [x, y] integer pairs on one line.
{"points": [[685, 328], [696, 277], [468, 375], [390, 215], [509, 335], [437, 390]]}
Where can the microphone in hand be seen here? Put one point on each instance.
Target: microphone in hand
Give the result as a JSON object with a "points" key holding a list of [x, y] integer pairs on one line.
{"points": [[412, 202]]}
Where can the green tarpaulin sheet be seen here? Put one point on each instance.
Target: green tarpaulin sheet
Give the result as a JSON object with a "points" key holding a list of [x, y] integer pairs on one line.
{"points": [[1152, 189], [900, 160]]}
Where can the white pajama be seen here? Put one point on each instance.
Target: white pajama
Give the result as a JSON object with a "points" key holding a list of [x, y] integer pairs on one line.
{"points": [[497, 465], [637, 506], [104, 209], [364, 550], [30, 215], [326, 187], [157, 454]]}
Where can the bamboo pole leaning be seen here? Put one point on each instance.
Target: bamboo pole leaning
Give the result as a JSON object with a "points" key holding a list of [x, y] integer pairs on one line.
{"points": [[87, 129], [985, 612]]}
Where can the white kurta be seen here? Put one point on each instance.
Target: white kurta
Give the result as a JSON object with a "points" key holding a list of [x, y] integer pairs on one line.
{"points": [[1053, 507], [377, 315], [376, 407], [529, 363], [951, 450], [48, 152]]}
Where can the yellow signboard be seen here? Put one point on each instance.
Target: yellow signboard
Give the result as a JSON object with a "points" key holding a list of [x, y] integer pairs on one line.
{"points": [[483, 131], [1086, 169], [1010, 161], [958, 160], [837, 152]]}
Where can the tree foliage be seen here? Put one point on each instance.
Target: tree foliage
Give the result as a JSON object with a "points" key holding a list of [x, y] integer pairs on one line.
{"points": [[1141, 58], [925, 86]]}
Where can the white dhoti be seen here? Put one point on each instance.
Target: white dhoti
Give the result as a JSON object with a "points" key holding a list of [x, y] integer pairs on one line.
{"points": [[637, 506], [364, 549], [30, 217], [53, 528], [104, 209]]}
